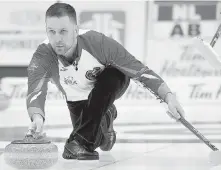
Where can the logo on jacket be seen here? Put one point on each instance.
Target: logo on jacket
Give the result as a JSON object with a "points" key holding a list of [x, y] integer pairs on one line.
{"points": [[33, 66], [110, 23], [69, 80], [92, 74]]}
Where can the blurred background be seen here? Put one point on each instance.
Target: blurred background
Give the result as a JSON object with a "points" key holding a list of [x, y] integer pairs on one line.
{"points": [[158, 33]]}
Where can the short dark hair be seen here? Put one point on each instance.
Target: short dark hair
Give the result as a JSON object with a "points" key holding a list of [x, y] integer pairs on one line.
{"points": [[61, 9]]}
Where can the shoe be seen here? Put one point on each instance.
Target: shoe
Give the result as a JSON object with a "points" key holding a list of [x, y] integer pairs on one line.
{"points": [[73, 150], [109, 135]]}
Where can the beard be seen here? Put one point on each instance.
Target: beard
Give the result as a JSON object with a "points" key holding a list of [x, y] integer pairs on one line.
{"points": [[65, 49], [60, 50]]}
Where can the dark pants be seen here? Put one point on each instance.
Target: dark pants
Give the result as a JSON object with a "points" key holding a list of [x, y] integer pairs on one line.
{"points": [[86, 115]]}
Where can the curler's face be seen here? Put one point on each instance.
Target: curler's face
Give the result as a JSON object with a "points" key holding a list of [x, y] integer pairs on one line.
{"points": [[62, 33]]}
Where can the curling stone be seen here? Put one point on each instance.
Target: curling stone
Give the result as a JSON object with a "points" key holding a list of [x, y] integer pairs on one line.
{"points": [[215, 158], [31, 154]]}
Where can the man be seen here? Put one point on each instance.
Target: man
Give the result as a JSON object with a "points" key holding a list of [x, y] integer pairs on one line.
{"points": [[92, 71]]}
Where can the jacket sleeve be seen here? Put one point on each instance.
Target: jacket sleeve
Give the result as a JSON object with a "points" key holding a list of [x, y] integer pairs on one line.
{"points": [[38, 78], [117, 56]]}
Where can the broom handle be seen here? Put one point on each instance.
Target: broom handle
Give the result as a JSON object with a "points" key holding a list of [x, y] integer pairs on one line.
{"points": [[216, 36], [198, 134]]}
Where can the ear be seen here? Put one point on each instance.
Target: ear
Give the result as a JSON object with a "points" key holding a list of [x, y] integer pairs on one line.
{"points": [[76, 29]]}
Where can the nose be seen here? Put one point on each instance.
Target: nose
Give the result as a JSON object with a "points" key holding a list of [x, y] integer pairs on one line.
{"points": [[58, 38]]}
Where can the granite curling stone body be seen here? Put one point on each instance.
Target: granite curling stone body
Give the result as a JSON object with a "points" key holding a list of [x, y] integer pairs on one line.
{"points": [[26, 154]]}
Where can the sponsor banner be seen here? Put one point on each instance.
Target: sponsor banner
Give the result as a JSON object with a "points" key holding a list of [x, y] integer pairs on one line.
{"points": [[189, 91], [16, 90], [179, 59], [22, 29], [172, 26]]}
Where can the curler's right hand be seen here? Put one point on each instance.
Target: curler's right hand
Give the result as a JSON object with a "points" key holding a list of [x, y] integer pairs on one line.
{"points": [[36, 127]]}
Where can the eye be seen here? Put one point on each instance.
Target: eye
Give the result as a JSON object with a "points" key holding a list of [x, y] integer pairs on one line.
{"points": [[63, 31], [51, 31]]}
